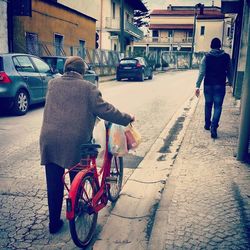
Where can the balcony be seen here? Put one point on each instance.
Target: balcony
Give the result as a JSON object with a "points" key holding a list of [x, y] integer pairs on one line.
{"points": [[165, 41], [129, 28]]}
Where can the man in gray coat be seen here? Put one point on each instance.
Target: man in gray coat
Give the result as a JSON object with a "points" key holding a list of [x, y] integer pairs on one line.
{"points": [[72, 105]]}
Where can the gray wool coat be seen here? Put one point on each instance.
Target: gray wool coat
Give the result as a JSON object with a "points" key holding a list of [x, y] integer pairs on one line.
{"points": [[72, 105]]}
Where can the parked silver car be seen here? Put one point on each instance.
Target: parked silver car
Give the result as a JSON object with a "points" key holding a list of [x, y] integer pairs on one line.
{"points": [[57, 65], [23, 81]]}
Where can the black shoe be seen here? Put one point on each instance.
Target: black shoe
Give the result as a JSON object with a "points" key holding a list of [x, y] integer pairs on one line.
{"points": [[213, 133], [55, 227], [207, 127]]}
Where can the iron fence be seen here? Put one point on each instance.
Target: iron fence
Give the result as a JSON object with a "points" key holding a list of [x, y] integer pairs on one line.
{"points": [[104, 62]]}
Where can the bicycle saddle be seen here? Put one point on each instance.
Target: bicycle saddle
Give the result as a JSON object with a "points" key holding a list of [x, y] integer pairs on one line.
{"points": [[89, 150]]}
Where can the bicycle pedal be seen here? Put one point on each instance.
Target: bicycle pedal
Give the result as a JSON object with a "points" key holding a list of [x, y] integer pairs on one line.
{"points": [[111, 179]]}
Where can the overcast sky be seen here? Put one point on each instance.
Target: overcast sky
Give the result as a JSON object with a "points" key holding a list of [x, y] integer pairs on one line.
{"points": [[162, 4]]}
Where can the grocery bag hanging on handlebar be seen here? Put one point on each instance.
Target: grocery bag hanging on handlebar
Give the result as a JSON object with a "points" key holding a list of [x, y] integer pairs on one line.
{"points": [[133, 137], [117, 140]]}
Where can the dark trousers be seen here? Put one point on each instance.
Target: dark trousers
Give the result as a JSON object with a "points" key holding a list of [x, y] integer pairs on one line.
{"points": [[214, 96], [55, 188]]}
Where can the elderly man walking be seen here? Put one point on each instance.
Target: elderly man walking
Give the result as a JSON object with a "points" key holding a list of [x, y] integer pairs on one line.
{"points": [[72, 105], [214, 69]]}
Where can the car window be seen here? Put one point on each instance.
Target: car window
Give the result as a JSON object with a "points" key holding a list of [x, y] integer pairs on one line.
{"points": [[23, 64], [129, 61], [60, 65], [86, 66], [41, 65]]}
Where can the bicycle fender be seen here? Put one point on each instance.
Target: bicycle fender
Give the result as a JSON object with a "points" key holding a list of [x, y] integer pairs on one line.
{"points": [[70, 201]]}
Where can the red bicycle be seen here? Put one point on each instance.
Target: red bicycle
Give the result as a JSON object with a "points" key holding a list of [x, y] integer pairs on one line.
{"points": [[91, 189]]}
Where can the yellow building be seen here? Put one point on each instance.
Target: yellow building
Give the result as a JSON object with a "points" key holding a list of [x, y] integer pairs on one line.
{"points": [[53, 29]]}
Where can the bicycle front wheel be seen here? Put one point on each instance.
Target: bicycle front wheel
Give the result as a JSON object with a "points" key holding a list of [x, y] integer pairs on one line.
{"points": [[116, 175], [83, 225]]}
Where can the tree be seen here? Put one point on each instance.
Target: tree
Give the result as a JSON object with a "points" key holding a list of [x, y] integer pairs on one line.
{"points": [[141, 19]]}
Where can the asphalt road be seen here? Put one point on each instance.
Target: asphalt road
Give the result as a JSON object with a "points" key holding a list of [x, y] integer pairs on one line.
{"points": [[23, 209]]}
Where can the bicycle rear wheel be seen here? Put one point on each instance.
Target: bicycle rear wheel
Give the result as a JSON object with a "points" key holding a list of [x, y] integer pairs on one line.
{"points": [[116, 175], [83, 225]]}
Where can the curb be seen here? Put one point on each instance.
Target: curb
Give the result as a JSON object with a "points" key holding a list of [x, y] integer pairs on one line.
{"points": [[140, 197]]}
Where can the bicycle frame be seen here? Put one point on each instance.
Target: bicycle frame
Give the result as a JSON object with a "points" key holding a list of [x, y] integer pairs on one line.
{"points": [[100, 199]]}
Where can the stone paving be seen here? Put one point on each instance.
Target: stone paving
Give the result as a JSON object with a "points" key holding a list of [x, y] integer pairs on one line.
{"points": [[206, 201]]}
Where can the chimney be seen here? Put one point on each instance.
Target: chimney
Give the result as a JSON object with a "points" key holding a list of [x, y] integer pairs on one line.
{"points": [[202, 9]]}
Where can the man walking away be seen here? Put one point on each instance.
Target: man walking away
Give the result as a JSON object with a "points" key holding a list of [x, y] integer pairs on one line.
{"points": [[215, 68]]}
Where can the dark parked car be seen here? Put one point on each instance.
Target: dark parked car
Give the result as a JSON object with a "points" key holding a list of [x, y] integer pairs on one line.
{"points": [[23, 81], [134, 68], [57, 64]]}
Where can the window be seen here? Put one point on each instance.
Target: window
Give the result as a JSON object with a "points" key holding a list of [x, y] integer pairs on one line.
{"points": [[155, 35], [170, 33], [113, 10], [202, 30], [82, 48], [32, 43], [127, 17], [58, 44], [23, 64], [228, 31], [41, 65], [190, 33]]}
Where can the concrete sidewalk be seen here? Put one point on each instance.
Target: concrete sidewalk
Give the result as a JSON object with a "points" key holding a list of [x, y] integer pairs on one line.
{"points": [[107, 78], [205, 203]]}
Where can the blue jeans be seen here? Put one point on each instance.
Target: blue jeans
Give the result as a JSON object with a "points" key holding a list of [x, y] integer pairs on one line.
{"points": [[214, 96]]}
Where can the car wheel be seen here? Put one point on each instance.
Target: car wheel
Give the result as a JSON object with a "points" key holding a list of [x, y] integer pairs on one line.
{"points": [[21, 102], [142, 77], [118, 79], [151, 76]]}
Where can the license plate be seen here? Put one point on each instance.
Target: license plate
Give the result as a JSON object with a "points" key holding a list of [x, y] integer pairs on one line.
{"points": [[127, 67]]}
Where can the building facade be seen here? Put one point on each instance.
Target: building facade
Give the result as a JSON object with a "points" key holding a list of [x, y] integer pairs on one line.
{"points": [[53, 28], [175, 28], [115, 24], [241, 66]]}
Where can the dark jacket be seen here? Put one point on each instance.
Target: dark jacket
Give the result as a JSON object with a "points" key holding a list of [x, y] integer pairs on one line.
{"points": [[215, 68], [72, 105]]}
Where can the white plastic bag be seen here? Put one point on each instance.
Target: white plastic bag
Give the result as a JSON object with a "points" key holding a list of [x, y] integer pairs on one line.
{"points": [[99, 136], [117, 141]]}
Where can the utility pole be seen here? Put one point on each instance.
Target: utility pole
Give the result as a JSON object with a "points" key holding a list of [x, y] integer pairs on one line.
{"points": [[122, 26], [192, 47], [244, 131], [199, 5]]}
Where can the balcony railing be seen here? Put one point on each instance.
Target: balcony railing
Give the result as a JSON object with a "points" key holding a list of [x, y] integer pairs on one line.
{"points": [[114, 24], [165, 40]]}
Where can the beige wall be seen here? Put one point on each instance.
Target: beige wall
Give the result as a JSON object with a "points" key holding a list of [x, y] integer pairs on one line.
{"points": [[213, 28], [107, 13], [48, 20], [88, 7], [171, 20]]}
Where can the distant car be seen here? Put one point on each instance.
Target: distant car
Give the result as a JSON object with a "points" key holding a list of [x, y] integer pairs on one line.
{"points": [[134, 68], [23, 81], [57, 65]]}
